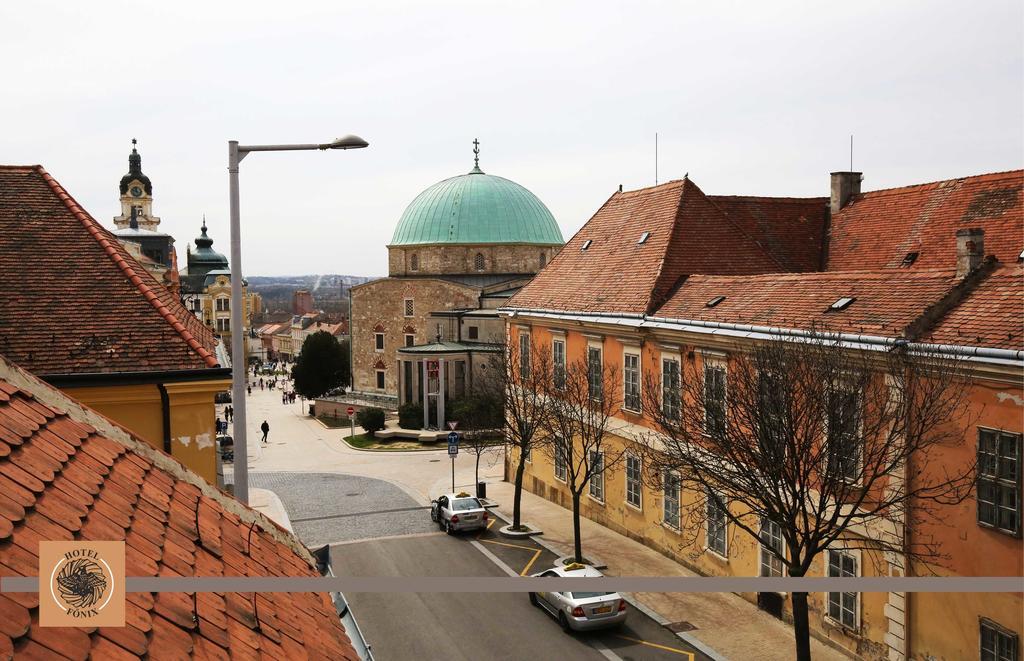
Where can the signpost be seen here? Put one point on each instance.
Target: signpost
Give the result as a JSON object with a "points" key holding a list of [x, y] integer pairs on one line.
{"points": [[453, 451], [352, 424]]}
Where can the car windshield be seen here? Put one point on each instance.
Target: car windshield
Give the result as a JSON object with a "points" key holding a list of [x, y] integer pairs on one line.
{"points": [[589, 595], [463, 504]]}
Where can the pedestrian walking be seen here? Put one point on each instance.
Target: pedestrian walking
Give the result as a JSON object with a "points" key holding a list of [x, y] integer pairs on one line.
{"points": [[265, 428], [250, 388]]}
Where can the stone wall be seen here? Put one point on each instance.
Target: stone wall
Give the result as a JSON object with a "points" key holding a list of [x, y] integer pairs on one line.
{"points": [[461, 259], [380, 305]]}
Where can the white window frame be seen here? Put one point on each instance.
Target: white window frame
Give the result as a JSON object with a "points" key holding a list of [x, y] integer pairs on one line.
{"points": [[767, 558], [999, 485], [408, 307], [558, 366], [626, 371], [716, 364], [855, 555], [634, 483], [708, 513], [999, 631], [671, 485], [378, 342], [666, 389], [380, 381], [560, 461], [596, 476]]}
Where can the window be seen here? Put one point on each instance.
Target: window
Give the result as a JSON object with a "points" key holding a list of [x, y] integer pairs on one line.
{"points": [[997, 643], [595, 372], [478, 261], [380, 379], [644, 237], [408, 307], [528, 455], [558, 360], [543, 259], [378, 339], [771, 538], [631, 382], [842, 606], [597, 475], [414, 262], [670, 385], [999, 457], [841, 304], [524, 356], [843, 433], [223, 304], [560, 463], [410, 339], [197, 305], [773, 405], [714, 399], [716, 526], [633, 480], [474, 332], [224, 325], [586, 244], [714, 301], [671, 509]]}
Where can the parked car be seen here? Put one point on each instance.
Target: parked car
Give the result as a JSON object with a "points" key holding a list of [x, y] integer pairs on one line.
{"points": [[222, 397], [458, 511], [580, 611]]}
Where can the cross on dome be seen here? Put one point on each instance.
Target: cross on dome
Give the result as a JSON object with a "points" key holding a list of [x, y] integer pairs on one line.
{"points": [[476, 158]]}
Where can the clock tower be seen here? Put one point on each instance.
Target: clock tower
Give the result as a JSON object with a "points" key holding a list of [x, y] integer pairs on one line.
{"points": [[136, 192]]}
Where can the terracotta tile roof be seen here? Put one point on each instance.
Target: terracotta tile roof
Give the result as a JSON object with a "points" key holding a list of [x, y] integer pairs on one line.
{"points": [[886, 301], [689, 233], [992, 316], [68, 473], [73, 299], [790, 228], [877, 229]]}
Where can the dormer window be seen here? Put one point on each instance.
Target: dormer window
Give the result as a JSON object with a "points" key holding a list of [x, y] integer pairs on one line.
{"points": [[910, 258], [841, 304], [643, 238], [715, 301]]}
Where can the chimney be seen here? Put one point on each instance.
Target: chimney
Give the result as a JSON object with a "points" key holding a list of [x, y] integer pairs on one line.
{"points": [[970, 250], [844, 186]]}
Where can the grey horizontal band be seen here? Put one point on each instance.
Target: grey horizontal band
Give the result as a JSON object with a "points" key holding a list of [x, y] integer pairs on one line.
{"points": [[527, 584]]}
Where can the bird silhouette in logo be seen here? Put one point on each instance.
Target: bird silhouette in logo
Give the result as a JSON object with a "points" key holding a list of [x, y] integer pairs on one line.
{"points": [[81, 583]]}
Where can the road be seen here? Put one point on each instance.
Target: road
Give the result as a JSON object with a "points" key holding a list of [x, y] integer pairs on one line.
{"points": [[376, 529]]}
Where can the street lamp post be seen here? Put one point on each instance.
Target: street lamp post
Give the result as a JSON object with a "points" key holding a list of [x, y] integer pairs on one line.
{"points": [[236, 153]]}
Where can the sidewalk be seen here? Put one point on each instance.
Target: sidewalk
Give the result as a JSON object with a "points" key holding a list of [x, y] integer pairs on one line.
{"points": [[730, 625]]}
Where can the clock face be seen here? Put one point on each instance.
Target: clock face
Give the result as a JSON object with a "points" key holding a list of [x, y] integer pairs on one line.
{"points": [[136, 191]]}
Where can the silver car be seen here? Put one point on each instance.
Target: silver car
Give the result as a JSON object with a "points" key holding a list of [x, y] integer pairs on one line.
{"points": [[580, 611], [458, 511]]}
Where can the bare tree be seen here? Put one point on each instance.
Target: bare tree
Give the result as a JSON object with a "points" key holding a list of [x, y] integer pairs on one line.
{"points": [[809, 443], [479, 415], [581, 403], [517, 378]]}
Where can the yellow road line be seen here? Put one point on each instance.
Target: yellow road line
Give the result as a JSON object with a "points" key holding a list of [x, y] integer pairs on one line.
{"points": [[656, 646], [512, 546], [530, 563], [489, 524]]}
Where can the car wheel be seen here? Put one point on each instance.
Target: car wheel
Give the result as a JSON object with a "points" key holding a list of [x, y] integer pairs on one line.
{"points": [[533, 599], [563, 622], [448, 528]]}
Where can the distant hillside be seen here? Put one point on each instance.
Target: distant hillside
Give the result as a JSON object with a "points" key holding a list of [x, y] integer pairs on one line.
{"points": [[330, 291]]}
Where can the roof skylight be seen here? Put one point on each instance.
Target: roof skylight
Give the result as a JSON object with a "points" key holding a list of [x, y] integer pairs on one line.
{"points": [[910, 258], [644, 237], [842, 303], [586, 244], [715, 301]]}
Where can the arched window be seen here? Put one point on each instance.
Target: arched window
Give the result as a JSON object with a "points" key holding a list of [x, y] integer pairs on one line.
{"points": [[414, 262], [543, 259], [478, 261]]}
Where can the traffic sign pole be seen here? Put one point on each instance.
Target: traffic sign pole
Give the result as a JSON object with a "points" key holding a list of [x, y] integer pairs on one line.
{"points": [[453, 451], [352, 424]]}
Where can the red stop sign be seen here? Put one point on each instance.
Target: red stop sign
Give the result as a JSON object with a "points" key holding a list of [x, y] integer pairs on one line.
{"points": [[351, 410]]}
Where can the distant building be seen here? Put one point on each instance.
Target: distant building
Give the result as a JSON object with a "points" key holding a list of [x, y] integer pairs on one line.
{"points": [[302, 302], [460, 250], [206, 290]]}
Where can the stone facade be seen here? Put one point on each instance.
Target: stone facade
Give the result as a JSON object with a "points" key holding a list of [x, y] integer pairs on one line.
{"points": [[380, 306], [501, 258]]}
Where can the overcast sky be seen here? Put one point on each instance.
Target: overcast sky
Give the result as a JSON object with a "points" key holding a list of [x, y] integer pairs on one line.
{"points": [[565, 97]]}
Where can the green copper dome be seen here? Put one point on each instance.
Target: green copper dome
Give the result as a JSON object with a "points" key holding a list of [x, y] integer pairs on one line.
{"points": [[476, 208]]}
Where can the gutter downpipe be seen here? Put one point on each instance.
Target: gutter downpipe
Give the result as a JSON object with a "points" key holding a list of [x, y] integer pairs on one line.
{"points": [[165, 414]]}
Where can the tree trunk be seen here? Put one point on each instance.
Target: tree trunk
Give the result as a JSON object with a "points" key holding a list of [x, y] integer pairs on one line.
{"points": [[476, 474], [801, 626], [577, 542], [518, 497]]}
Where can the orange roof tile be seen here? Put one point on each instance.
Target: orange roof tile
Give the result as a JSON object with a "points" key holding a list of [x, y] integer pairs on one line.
{"points": [[992, 316], [73, 299], [877, 229], [68, 473]]}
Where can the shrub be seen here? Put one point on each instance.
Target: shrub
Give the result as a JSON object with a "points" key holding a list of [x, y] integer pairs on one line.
{"points": [[371, 420], [410, 416]]}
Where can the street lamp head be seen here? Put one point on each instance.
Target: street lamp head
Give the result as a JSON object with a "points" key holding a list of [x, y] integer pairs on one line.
{"points": [[347, 142]]}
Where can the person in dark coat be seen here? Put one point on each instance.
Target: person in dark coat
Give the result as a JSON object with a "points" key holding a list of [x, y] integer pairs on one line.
{"points": [[265, 428]]}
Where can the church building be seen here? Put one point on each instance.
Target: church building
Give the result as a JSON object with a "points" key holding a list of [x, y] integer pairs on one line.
{"points": [[461, 249]]}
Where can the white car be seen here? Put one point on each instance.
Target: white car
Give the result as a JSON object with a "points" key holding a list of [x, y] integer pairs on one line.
{"points": [[458, 511], [580, 611]]}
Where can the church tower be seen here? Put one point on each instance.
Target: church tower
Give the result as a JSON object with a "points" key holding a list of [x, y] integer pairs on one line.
{"points": [[137, 193]]}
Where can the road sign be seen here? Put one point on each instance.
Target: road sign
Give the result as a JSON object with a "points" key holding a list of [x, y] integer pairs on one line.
{"points": [[453, 443], [351, 411], [452, 425]]}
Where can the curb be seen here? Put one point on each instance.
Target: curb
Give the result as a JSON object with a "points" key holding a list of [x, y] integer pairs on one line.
{"points": [[506, 531], [352, 447], [684, 636]]}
